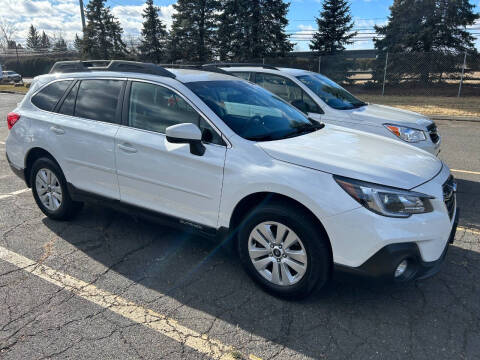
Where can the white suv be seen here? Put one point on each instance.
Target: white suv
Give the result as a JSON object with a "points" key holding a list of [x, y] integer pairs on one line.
{"points": [[222, 156], [325, 101]]}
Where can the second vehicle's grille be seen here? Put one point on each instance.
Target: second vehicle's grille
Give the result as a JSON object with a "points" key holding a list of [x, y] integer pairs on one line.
{"points": [[433, 132], [449, 189]]}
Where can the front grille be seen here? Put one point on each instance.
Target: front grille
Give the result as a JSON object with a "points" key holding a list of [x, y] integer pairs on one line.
{"points": [[433, 132], [449, 190]]}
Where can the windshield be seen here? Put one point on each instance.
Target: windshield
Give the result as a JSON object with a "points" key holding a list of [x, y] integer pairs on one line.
{"points": [[330, 92], [251, 111]]}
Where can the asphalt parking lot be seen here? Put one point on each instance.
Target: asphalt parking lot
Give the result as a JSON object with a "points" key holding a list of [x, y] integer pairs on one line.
{"points": [[109, 286]]}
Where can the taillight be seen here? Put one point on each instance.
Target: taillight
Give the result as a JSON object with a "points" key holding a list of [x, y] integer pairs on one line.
{"points": [[12, 118]]}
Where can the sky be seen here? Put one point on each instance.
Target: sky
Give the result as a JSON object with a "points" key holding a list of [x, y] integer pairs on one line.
{"points": [[62, 17]]}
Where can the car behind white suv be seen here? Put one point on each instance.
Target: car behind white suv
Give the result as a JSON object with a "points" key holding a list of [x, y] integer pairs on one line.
{"points": [[220, 155], [324, 100]]}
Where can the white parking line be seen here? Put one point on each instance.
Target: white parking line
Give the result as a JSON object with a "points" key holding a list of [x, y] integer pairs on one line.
{"points": [[2, 142], [4, 196], [466, 172], [158, 322], [471, 231]]}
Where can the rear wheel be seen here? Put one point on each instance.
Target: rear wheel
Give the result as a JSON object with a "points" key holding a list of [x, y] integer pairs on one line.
{"points": [[50, 190], [283, 251]]}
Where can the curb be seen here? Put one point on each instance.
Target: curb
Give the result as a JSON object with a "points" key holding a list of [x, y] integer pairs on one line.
{"points": [[11, 92], [454, 118]]}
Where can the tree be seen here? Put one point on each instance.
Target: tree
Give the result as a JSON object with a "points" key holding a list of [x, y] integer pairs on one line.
{"points": [[8, 30], [77, 43], [103, 34], [154, 34], [33, 39], [60, 44], [193, 30], [433, 32], [44, 41], [252, 29], [334, 28]]}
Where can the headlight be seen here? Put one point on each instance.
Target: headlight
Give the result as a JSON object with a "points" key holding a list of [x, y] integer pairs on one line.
{"points": [[407, 134], [384, 200]]}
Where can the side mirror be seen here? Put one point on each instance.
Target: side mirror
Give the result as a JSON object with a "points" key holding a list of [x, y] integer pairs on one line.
{"points": [[186, 133]]}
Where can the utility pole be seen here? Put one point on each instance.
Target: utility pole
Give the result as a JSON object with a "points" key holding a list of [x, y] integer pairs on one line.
{"points": [[82, 14]]}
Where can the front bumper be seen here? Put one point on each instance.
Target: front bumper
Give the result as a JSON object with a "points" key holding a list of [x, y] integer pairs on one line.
{"points": [[381, 266]]}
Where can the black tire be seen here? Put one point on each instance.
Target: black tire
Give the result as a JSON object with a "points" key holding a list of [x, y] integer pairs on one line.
{"points": [[68, 208], [316, 246]]}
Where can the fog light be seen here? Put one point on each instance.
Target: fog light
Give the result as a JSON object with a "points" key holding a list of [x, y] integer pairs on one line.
{"points": [[400, 270]]}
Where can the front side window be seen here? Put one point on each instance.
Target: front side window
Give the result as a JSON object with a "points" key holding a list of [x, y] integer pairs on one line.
{"points": [[154, 108], [47, 98], [288, 91], [98, 100], [251, 111], [330, 92]]}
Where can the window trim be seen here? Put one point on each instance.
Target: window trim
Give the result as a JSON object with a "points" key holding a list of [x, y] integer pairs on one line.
{"points": [[303, 91], [126, 104], [43, 87]]}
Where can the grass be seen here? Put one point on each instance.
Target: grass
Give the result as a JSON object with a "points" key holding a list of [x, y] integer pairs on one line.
{"points": [[20, 89], [430, 105]]}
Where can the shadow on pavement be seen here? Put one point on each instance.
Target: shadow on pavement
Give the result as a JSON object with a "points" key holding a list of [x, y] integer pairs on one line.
{"points": [[435, 318], [468, 200]]}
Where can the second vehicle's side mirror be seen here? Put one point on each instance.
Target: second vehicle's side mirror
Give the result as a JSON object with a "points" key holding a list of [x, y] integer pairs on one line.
{"points": [[186, 133]]}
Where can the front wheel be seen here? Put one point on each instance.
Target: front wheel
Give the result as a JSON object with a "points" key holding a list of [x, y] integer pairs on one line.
{"points": [[283, 251]]}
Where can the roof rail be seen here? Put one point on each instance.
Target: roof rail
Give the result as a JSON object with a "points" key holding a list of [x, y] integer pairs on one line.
{"points": [[109, 65], [208, 67], [220, 64]]}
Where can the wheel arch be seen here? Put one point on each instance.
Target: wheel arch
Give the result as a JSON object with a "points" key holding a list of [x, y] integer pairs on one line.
{"points": [[253, 200], [32, 155]]}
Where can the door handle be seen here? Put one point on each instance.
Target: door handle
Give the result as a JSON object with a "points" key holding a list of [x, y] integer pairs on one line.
{"points": [[57, 130], [127, 148]]}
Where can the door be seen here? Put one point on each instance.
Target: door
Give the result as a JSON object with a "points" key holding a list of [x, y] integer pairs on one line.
{"points": [[85, 129], [161, 176]]}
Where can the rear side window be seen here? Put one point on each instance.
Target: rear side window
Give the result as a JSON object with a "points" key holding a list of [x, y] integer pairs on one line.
{"points": [[49, 96], [68, 105], [98, 100], [242, 75]]}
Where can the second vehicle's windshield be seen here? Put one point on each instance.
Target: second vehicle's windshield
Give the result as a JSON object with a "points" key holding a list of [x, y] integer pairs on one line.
{"points": [[251, 111], [330, 92]]}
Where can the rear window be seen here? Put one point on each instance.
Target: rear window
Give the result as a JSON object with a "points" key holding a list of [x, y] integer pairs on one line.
{"points": [[49, 96], [98, 100]]}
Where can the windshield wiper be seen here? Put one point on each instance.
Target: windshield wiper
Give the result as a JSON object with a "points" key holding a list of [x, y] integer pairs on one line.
{"points": [[305, 129], [359, 105]]}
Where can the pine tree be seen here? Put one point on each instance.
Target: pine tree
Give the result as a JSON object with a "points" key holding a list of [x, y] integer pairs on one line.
{"points": [[103, 33], [154, 34], [334, 28], [33, 39], [193, 30], [44, 41], [77, 43], [252, 29], [428, 25], [60, 44]]}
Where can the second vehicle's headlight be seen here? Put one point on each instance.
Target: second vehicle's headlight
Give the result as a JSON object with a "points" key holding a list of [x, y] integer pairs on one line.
{"points": [[407, 134], [385, 200]]}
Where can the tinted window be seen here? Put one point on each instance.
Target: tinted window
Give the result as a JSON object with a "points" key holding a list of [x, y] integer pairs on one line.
{"points": [[330, 92], [154, 108], [69, 102], [243, 75], [251, 111], [98, 100], [288, 91], [49, 96]]}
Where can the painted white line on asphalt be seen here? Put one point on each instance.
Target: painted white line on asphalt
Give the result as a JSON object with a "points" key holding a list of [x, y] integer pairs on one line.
{"points": [[158, 322], [471, 231], [2, 142], [18, 192], [466, 171]]}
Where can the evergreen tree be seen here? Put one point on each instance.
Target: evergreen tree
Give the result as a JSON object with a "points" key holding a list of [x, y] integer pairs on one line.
{"points": [[252, 29], [334, 28], [154, 34], [60, 44], [44, 41], [33, 38], [428, 25], [103, 33], [77, 43], [193, 30]]}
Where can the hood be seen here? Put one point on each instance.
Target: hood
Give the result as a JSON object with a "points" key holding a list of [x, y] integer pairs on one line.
{"points": [[380, 114], [359, 155]]}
